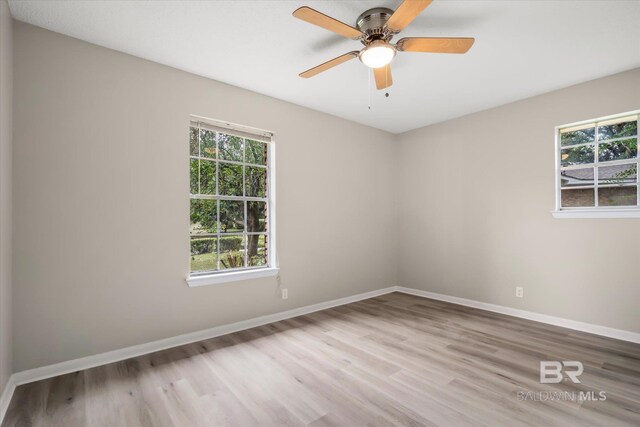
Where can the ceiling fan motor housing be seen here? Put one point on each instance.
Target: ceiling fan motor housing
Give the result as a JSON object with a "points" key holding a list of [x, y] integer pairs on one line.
{"points": [[372, 23]]}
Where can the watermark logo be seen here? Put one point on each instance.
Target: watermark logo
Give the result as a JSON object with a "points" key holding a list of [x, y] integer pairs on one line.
{"points": [[556, 396], [551, 371], [554, 372]]}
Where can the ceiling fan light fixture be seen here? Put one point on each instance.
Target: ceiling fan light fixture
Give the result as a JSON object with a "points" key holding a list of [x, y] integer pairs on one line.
{"points": [[377, 54]]}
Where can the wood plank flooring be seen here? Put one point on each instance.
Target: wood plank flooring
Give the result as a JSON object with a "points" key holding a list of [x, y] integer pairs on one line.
{"points": [[394, 360]]}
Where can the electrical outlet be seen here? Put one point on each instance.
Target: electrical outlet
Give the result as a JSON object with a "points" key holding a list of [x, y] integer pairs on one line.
{"points": [[285, 293], [519, 291]]}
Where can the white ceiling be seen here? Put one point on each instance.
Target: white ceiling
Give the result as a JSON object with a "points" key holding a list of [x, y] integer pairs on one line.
{"points": [[522, 48]]}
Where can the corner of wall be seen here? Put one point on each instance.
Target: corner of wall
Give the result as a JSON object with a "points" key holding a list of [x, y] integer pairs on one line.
{"points": [[6, 142], [400, 225]]}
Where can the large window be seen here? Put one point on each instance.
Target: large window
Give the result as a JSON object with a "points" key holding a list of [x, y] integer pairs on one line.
{"points": [[598, 166], [231, 173]]}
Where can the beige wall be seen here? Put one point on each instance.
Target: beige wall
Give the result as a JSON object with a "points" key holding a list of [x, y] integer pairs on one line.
{"points": [[476, 205], [460, 208], [6, 99], [101, 202]]}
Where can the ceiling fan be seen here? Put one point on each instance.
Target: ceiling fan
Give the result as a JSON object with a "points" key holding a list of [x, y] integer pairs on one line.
{"points": [[374, 29]]}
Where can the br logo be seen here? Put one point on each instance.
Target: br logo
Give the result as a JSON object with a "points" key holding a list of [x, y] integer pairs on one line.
{"points": [[551, 371]]}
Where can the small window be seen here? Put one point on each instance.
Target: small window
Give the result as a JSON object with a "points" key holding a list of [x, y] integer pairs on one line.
{"points": [[597, 167], [231, 203]]}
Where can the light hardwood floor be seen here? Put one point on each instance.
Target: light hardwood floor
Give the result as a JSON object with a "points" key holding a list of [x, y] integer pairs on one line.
{"points": [[394, 360]]}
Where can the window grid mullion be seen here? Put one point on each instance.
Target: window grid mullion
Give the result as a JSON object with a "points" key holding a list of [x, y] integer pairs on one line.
{"points": [[596, 162], [582, 144], [578, 187], [233, 162], [236, 198], [627, 184], [603, 164], [199, 154], [618, 139], [267, 221], [217, 202], [558, 177], [244, 196]]}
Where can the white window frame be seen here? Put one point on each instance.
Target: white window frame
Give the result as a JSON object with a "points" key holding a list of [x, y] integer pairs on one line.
{"points": [[245, 273], [595, 211]]}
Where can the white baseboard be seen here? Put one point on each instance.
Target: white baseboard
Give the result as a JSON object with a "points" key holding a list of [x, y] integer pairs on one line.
{"points": [[543, 318], [5, 398], [62, 368]]}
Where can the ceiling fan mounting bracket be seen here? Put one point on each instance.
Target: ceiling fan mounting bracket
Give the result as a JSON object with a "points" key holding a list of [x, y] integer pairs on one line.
{"points": [[372, 23]]}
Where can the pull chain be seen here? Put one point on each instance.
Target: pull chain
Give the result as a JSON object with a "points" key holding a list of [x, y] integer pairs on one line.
{"points": [[369, 86]]}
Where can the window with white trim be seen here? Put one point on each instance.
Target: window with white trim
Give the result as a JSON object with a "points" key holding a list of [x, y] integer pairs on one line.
{"points": [[231, 203], [597, 169]]}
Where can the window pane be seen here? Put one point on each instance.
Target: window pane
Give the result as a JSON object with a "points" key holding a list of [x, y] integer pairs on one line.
{"points": [[230, 147], [618, 130], [618, 174], [203, 216], [578, 198], [231, 216], [257, 250], [193, 141], [204, 252], [256, 217], [227, 232], [256, 181], [618, 196], [207, 143], [230, 179], [625, 149], [255, 152], [578, 136], [194, 170], [231, 252], [576, 177], [207, 177], [577, 155]]}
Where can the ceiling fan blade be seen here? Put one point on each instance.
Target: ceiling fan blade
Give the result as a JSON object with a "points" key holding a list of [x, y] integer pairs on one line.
{"points": [[314, 17], [329, 64], [383, 77], [435, 44], [405, 13]]}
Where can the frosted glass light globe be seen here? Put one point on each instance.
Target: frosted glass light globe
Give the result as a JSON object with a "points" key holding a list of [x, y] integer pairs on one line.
{"points": [[377, 54]]}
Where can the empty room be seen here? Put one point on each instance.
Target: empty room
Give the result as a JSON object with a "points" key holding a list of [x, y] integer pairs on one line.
{"points": [[319, 213]]}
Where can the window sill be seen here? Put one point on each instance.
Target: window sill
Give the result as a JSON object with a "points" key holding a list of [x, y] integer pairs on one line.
{"points": [[232, 276], [597, 213]]}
